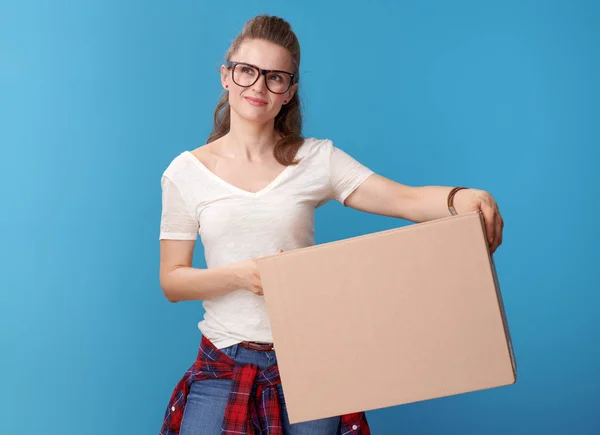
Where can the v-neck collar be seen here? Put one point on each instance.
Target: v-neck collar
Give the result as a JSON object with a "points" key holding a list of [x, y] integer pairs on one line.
{"points": [[245, 192]]}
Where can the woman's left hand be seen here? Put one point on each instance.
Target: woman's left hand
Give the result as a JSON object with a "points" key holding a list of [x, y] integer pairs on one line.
{"points": [[467, 200]]}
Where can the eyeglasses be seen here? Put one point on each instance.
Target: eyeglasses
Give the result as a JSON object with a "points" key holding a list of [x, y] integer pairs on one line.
{"points": [[245, 75]]}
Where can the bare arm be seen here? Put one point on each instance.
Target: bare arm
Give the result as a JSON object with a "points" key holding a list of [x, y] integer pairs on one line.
{"points": [[386, 197], [180, 281], [380, 195]]}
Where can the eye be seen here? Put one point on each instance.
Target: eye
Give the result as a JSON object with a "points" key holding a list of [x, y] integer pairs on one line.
{"points": [[247, 70], [276, 77]]}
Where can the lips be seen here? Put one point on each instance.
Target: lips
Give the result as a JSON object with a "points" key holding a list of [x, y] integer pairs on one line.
{"points": [[256, 101]]}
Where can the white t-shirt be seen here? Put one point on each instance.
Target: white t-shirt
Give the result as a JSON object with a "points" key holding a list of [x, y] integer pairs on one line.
{"points": [[236, 225]]}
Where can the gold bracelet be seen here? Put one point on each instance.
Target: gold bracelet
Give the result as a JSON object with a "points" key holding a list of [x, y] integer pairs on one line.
{"points": [[451, 199]]}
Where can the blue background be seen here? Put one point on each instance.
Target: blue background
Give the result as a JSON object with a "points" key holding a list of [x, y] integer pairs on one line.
{"points": [[97, 97]]}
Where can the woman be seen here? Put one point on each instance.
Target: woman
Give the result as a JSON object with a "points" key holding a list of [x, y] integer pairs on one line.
{"points": [[252, 191]]}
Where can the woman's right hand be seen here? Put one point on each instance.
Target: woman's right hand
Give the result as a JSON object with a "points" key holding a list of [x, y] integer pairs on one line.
{"points": [[248, 274]]}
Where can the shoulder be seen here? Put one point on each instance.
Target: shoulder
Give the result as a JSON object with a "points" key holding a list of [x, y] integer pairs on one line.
{"points": [[183, 165], [174, 168], [315, 147], [316, 143], [324, 151]]}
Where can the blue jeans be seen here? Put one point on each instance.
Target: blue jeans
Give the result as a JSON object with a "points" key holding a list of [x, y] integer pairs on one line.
{"points": [[207, 399]]}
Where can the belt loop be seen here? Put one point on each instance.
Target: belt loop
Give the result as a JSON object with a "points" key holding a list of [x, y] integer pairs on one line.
{"points": [[234, 350]]}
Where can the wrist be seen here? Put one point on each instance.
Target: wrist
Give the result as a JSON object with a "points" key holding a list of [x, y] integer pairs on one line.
{"points": [[450, 199], [235, 276]]}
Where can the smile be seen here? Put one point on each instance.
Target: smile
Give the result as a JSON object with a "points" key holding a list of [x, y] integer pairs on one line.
{"points": [[256, 101]]}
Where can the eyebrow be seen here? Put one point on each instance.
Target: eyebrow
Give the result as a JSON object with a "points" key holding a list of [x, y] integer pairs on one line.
{"points": [[261, 69]]}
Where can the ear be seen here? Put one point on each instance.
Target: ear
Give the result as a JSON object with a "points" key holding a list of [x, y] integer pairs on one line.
{"points": [[291, 92], [224, 76]]}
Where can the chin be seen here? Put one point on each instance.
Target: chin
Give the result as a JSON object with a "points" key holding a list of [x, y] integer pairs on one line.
{"points": [[256, 116]]}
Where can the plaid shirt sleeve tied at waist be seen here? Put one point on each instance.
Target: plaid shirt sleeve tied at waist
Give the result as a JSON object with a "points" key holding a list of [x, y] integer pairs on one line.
{"points": [[244, 414]]}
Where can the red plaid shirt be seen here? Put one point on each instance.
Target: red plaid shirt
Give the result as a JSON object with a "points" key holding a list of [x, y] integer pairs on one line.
{"points": [[244, 414]]}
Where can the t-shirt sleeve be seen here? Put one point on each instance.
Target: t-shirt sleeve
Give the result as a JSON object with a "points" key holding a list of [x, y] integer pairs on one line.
{"points": [[177, 222], [345, 173]]}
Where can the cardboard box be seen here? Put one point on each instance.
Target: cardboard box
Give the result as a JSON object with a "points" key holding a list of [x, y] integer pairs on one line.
{"points": [[389, 318]]}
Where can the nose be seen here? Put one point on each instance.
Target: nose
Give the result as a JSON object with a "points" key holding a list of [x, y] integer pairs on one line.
{"points": [[260, 85]]}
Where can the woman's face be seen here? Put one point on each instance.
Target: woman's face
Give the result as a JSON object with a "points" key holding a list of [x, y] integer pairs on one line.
{"points": [[256, 103]]}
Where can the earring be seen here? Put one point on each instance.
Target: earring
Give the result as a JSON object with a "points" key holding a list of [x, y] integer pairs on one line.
{"points": [[284, 101]]}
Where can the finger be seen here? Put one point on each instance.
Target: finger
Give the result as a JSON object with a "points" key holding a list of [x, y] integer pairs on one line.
{"points": [[280, 251], [488, 218], [499, 229], [494, 243], [259, 285]]}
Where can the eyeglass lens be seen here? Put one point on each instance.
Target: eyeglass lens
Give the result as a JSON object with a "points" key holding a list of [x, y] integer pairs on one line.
{"points": [[244, 75]]}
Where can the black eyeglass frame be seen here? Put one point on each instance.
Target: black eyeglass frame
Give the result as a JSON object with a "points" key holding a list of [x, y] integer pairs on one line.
{"points": [[263, 72]]}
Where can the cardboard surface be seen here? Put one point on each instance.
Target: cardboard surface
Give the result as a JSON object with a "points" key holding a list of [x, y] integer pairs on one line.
{"points": [[394, 317]]}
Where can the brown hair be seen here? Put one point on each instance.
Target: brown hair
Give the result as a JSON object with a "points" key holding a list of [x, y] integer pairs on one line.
{"points": [[288, 122]]}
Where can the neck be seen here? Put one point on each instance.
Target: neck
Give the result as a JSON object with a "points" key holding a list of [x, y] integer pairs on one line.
{"points": [[249, 140]]}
